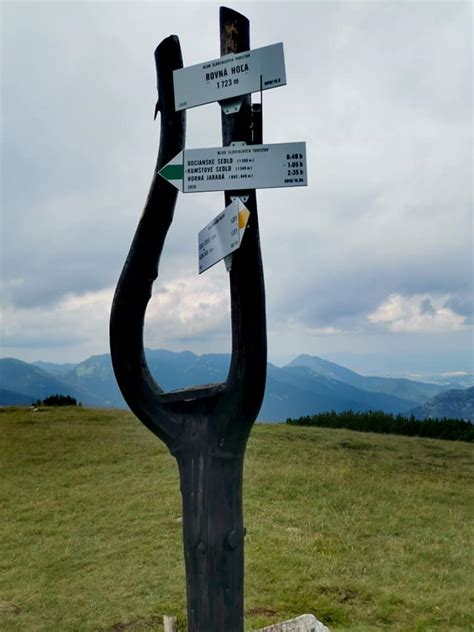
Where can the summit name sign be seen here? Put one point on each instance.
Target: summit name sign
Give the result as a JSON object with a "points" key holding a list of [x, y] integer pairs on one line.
{"points": [[243, 167], [229, 76]]}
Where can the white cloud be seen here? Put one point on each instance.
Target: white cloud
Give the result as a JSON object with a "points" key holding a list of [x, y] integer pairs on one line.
{"points": [[182, 312], [79, 323], [189, 309], [420, 313]]}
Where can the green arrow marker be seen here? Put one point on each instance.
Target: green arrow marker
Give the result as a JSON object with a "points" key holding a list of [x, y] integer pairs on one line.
{"points": [[172, 172]]}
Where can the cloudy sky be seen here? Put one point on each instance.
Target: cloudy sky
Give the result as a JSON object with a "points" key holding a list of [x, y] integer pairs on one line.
{"points": [[374, 256]]}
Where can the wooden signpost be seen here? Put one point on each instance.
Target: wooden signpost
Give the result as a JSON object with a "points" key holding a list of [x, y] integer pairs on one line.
{"points": [[206, 428]]}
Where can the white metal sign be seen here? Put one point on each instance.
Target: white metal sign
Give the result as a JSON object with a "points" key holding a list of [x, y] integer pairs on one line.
{"points": [[244, 167], [229, 76], [223, 235]]}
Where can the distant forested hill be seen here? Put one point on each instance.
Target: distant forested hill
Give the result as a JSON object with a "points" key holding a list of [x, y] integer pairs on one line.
{"points": [[457, 403]]}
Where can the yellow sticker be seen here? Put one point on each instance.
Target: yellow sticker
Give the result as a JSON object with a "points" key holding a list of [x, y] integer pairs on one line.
{"points": [[243, 218]]}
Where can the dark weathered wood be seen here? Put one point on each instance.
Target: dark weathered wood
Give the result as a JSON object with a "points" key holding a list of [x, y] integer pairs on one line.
{"points": [[206, 428], [214, 535], [249, 344], [141, 267]]}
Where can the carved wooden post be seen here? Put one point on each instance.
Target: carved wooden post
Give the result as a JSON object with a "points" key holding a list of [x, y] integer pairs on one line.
{"points": [[205, 428]]}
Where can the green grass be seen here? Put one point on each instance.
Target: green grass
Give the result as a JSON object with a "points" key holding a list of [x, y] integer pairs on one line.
{"points": [[368, 532]]}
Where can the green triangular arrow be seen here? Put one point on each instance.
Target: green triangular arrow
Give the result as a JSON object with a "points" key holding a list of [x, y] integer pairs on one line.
{"points": [[172, 172]]}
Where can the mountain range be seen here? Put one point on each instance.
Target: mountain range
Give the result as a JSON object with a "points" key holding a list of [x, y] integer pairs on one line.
{"points": [[453, 404], [307, 385]]}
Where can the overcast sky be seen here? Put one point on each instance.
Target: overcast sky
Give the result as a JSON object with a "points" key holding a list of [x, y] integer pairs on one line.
{"points": [[375, 255]]}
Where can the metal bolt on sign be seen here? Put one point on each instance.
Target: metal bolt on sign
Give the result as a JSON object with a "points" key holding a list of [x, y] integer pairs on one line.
{"points": [[205, 427]]}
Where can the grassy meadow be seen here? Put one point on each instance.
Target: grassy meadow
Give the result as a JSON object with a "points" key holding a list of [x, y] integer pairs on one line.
{"points": [[368, 532]]}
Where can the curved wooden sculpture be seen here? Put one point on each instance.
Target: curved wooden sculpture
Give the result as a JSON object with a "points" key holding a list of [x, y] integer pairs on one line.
{"points": [[205, 428]]}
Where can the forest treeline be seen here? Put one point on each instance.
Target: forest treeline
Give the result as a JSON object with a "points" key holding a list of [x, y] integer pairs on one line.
{"points": [[385, 423], [57, 400]]}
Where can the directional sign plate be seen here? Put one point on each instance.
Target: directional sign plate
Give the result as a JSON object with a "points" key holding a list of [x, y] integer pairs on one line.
{"points": [[223, 235], [245, 167], [229, 76]]}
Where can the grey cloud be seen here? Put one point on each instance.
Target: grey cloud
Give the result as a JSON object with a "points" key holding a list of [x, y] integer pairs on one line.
{"points": [[426, 307], [343, 291], [55, 341], [463, 304], [380, 92], [79, 150]]}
